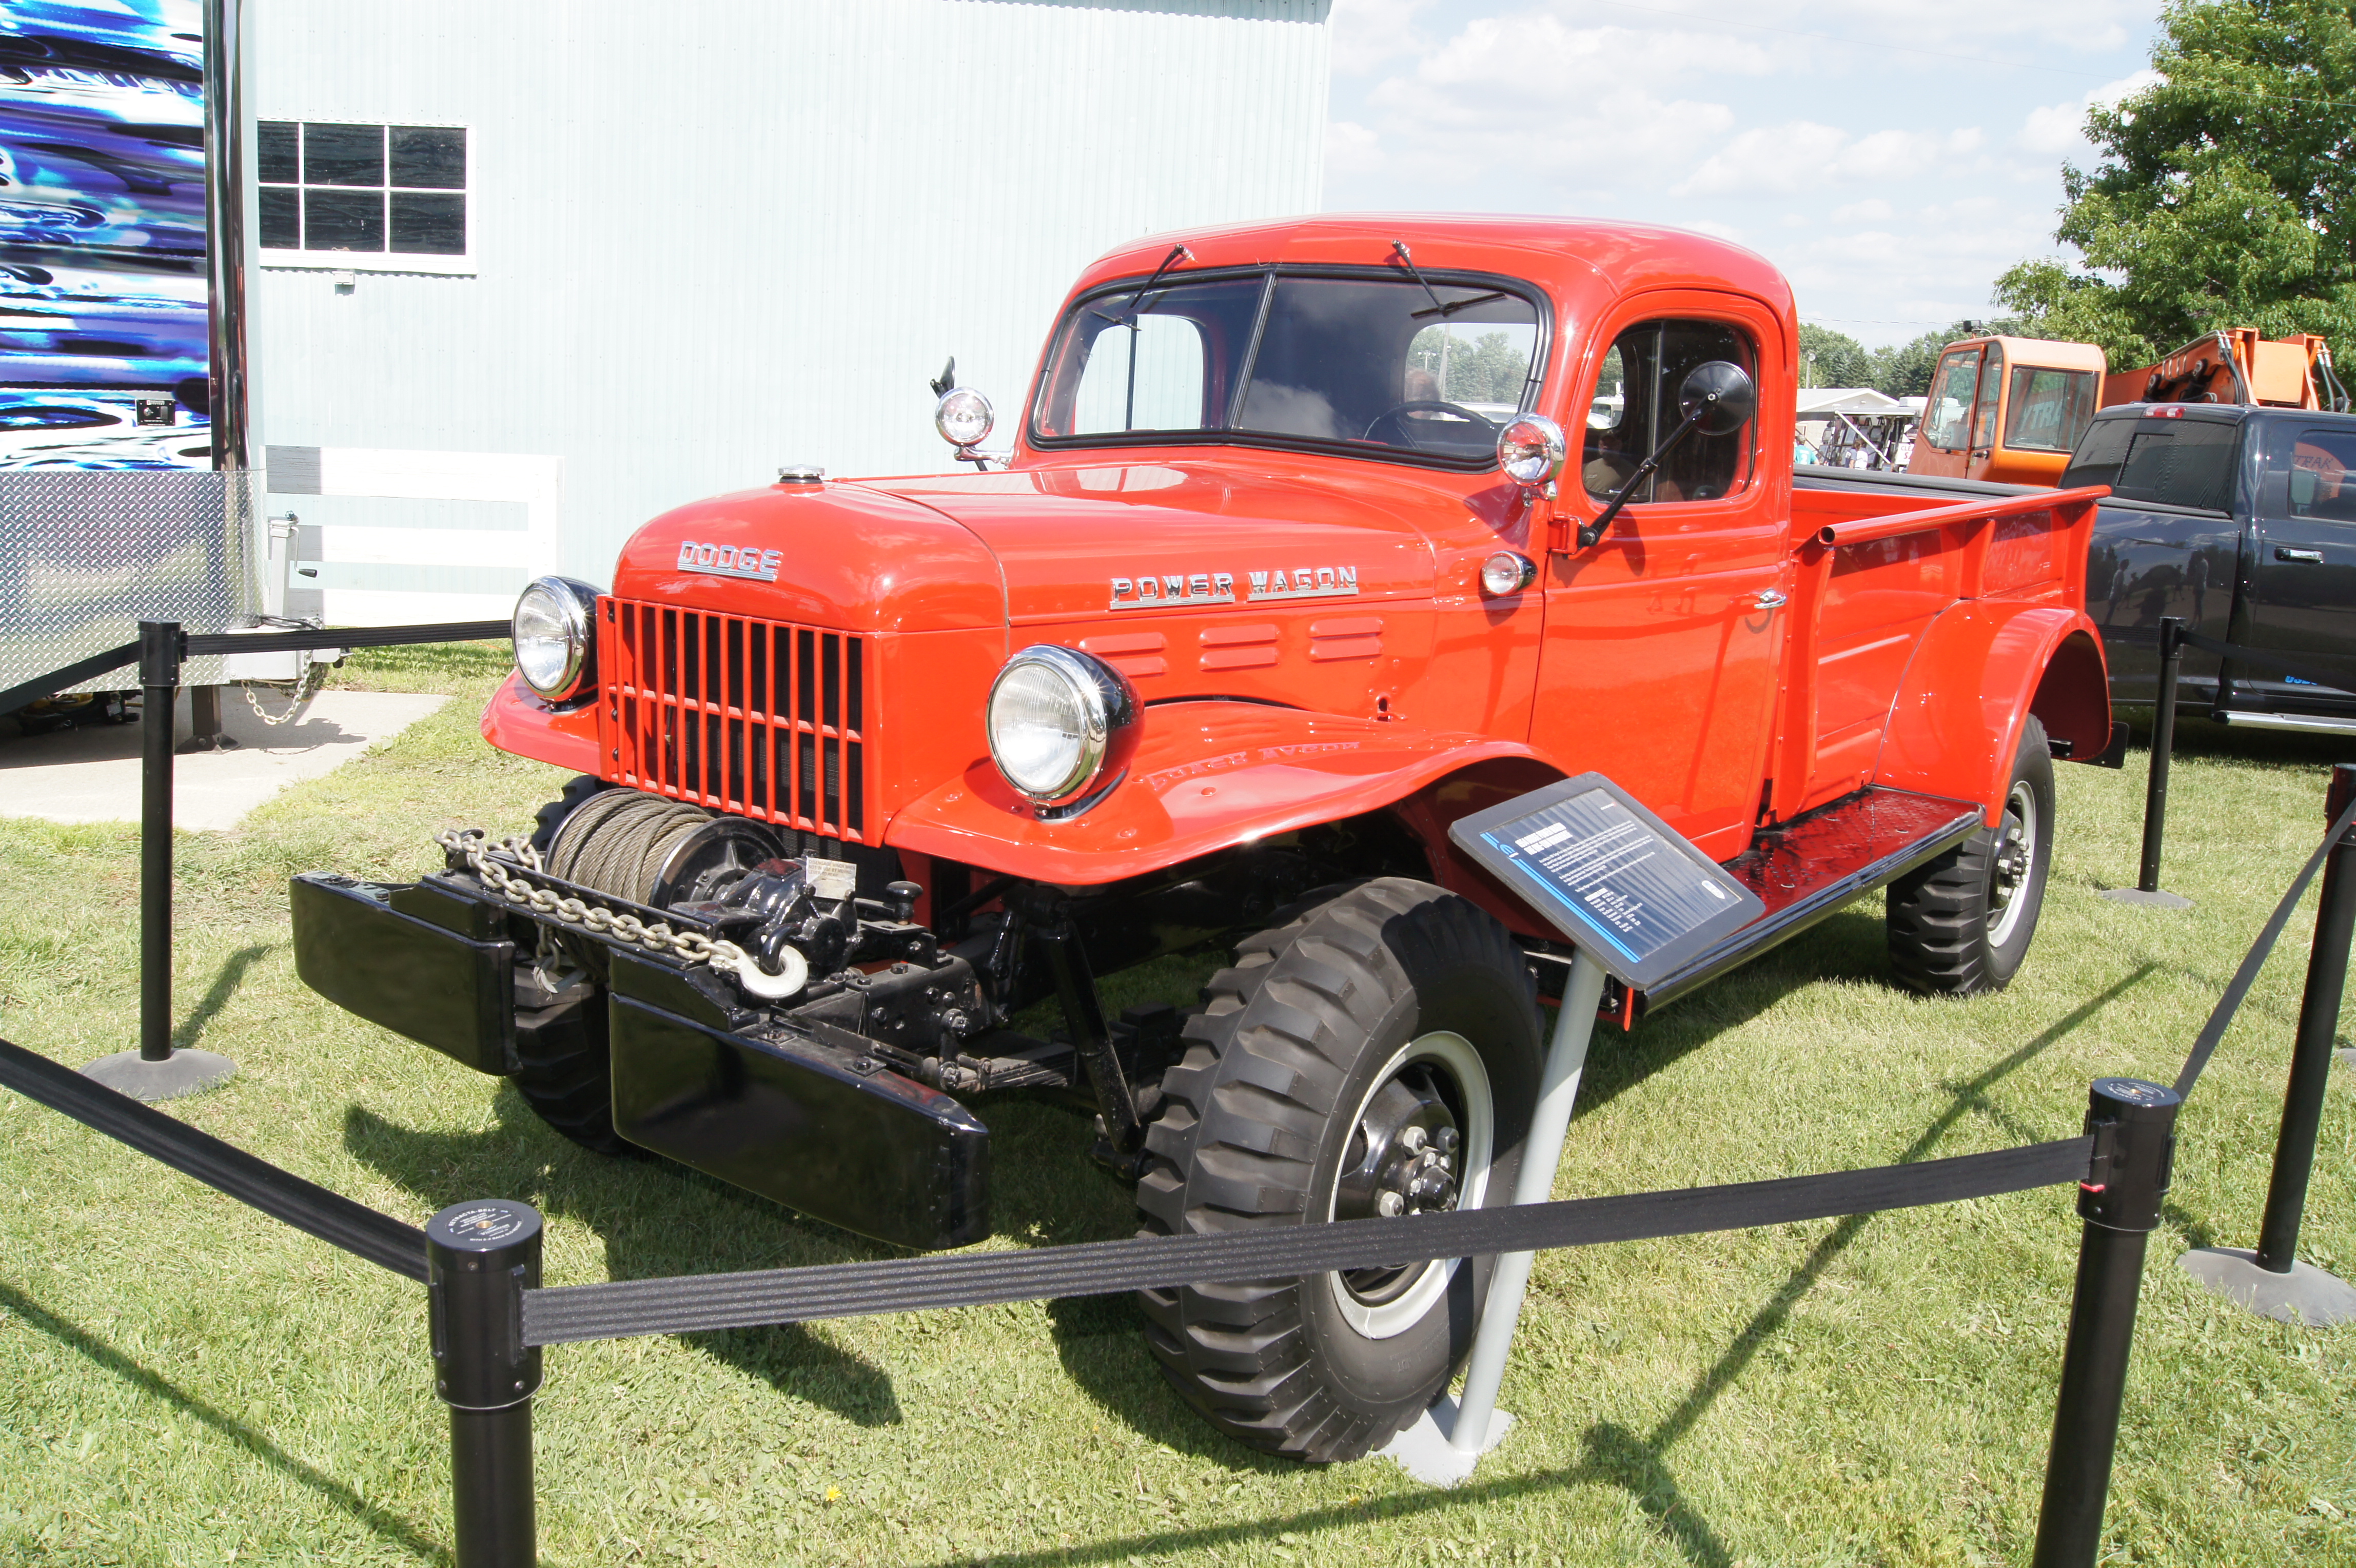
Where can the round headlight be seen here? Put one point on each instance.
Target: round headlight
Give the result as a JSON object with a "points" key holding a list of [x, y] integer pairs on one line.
{"points": [[963, 417], [1508, 571], [1530, 449], [1059, 721], [556, 636]]}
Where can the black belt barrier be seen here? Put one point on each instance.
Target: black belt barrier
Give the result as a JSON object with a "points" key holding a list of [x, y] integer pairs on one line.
{"points": [[203, 644], [307, 1205], [2221, 1015], [563, 1314]]}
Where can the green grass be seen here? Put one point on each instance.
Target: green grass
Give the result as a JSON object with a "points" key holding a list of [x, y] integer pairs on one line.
{"points": [[183, 1381]]}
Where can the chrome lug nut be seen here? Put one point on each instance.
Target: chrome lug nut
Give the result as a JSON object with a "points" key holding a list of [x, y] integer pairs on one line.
{"points": [[1389, 1204]]}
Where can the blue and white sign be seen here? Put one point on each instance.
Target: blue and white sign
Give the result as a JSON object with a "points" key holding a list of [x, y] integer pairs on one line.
{"points": [[1619, 882]]}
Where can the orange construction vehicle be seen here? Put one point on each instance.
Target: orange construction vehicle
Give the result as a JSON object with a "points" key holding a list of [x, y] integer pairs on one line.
{"points": [[2007, 409], [2236, 366]]}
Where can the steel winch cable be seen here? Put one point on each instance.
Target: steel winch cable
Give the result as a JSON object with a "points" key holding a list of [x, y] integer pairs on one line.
{"points": [[618, 842]]}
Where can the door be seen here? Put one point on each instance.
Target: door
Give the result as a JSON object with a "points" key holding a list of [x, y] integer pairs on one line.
{"points": [[1945, 433], [2302, 597], [1987, 404], [2167, 541], [1658, 664]]}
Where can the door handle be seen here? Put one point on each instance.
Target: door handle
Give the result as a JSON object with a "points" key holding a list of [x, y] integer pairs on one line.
{"points": [[1774, 598], [2306, 557]]}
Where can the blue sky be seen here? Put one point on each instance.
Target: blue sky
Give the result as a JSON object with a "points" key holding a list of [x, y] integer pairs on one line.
{"points": [[1892, 159]]}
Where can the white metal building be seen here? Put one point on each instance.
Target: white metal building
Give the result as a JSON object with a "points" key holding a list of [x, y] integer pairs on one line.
{"points": [[699, 240]]}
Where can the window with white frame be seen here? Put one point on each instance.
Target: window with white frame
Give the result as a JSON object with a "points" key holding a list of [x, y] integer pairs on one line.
{"points": [[335, 193]]}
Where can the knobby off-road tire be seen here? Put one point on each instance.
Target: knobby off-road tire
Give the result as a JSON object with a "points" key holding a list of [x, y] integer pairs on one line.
{"points": [[1390, 1005], [1961, 924], [566, 1074]]}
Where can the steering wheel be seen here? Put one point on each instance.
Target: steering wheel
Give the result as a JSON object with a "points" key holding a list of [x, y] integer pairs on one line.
{"points": [[1419, 406]]}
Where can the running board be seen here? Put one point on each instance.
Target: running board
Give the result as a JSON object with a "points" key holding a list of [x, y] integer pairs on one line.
{"points": [[2311, 724], [1813, 865]]}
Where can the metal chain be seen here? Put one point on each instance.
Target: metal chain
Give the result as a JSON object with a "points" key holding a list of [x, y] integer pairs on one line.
{"points": [[693, 947], [315, 676]]}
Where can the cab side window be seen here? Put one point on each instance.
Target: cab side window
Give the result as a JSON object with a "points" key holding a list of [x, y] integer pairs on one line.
{"points": [[1634, 408], [2316, 481], [1947, 416]]}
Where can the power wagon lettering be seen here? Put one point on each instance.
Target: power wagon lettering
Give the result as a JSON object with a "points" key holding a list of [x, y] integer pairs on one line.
{"points": [[1219, 587]]}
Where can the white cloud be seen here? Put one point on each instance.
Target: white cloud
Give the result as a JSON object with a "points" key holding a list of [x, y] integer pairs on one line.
{"points": [[1351, 148], [2057, 129], [1368, 33], [1872, 209], [1801, 155]]}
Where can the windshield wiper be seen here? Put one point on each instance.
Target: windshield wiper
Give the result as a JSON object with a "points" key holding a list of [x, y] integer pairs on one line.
{"points": [[1441, 309], [1127, 317]]}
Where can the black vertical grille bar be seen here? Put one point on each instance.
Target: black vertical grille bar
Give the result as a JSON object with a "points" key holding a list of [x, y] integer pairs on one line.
{"points": [[832, 683], [854, 700]]}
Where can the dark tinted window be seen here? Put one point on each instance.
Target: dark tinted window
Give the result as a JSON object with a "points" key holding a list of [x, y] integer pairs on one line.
{"points": [[329, 186], [343, 154], [1635, 408], [278, 151], [2169, 462], [282, 219], [2319, 479], [429, 157]]}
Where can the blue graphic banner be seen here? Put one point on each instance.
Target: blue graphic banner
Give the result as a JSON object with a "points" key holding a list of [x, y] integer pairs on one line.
{"points": [[102, 333]]}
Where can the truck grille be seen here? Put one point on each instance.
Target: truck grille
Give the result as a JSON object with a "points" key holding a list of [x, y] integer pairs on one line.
{"points": [[756, 717]]}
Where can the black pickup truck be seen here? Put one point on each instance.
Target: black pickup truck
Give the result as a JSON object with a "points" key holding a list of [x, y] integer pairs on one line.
{"points": [[2241, 522]]}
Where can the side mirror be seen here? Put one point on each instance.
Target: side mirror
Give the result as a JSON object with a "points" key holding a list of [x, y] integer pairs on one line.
{"points": [[1717, 398]]}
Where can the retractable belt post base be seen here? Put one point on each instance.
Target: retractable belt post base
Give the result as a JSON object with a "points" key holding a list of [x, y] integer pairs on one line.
{"points": [[1448, 1439], [480, 1258], [2146, 890], [2134, 1126], [155, 1072], [2272, 1282]]}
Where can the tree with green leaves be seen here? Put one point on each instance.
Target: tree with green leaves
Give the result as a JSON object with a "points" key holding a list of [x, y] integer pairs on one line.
{"points": [[1830, 358], [2227, 191]]}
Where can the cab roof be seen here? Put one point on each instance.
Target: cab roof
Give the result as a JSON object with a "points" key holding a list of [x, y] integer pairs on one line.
{"points": [[1568, 255]]}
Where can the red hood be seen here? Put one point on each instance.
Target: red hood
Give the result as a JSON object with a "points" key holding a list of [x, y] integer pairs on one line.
{"points": [[973, 550], [1106, 536]]}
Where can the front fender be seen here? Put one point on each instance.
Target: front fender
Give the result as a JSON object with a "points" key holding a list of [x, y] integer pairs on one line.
{"points": [[1206, 776], [1979, 672], [516, 721]]}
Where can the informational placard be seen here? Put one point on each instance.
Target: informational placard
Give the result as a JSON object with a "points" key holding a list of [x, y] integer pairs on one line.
{"points": [[1611, 876]]}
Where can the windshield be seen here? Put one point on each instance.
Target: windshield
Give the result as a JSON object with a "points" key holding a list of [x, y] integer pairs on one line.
{"points": [[1362, 363]]}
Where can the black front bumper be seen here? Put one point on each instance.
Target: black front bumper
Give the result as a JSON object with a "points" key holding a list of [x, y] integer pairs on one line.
{"points": [[815, 1124]]}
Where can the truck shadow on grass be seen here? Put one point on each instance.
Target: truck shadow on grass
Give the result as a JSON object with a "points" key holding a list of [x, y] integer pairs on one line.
{"points": [[656, 1218], [1614, 1455]]}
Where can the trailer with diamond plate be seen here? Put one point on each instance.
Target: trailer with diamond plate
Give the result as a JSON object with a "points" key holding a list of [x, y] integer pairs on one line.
{"points": [[1313, 540]]}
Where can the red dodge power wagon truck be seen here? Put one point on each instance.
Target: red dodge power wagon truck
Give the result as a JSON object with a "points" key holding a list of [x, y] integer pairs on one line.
{"points": [[1313, 538]]}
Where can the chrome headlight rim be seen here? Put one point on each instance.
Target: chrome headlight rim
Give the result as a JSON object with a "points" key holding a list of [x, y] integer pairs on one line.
{"points": [[573, 604], [964, 397], [1531, 450], [1110, 712]]}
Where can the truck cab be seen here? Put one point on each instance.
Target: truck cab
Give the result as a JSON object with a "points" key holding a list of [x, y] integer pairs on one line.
{"points": [[1312, 539], [2239, 520], [2006, 410]]}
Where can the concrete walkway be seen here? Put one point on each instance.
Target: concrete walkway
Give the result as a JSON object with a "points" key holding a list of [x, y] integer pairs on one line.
{"points": [[92, 774]]}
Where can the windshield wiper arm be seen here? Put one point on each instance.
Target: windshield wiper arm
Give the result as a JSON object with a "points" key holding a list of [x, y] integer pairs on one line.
{"points": [[1127, 317], [1452, 306], [1440, 307]]}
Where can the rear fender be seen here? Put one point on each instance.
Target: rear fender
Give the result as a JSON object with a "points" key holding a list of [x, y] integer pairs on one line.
{"points": [[1981, 670], [1206, 776]]}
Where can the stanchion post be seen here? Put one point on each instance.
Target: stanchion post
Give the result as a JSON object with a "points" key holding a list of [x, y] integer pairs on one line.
{"points": [[2318, 1026], [2134, 1125], [2163, 744], [480, 1258], [2272, 1282], [159, 681], [154, 1070]]}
